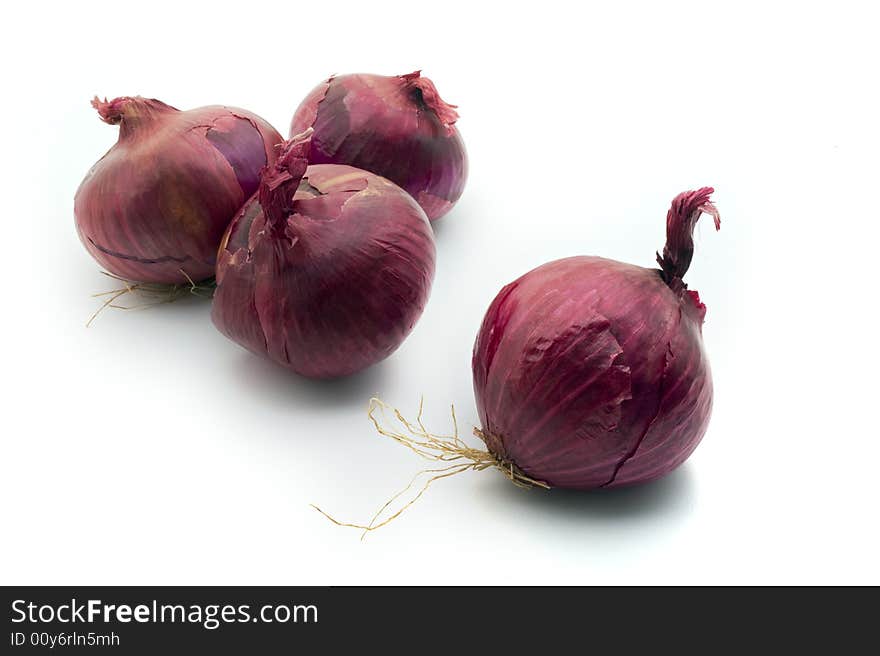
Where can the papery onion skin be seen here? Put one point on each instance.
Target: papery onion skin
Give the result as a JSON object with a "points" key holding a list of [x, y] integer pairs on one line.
{"points": [[155, 207], [591, 373], [394, 126], [326, 270]]}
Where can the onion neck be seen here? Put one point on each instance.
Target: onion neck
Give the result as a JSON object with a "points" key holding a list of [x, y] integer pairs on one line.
{"points": [[130, 113], [280, 181], [424, 94], [681, 219]]}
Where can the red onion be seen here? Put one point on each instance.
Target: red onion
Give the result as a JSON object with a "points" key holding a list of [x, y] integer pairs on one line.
{"points": [[591, 373], [326, 270], [154, 208], [588, 373], [397, 127]]}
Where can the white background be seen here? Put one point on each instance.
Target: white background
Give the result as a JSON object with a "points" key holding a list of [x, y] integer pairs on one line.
{"points": [[149, 449]]}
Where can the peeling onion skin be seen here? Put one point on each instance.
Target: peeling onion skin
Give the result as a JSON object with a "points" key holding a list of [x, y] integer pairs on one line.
{"points": [[591, 373], [394, 126], [157, 204], [326, 270]]}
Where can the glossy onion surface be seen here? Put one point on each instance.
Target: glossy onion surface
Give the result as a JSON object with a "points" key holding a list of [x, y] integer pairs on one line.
{"points": [[155, 207], [591, 373], [395, 126], [326, 270]]}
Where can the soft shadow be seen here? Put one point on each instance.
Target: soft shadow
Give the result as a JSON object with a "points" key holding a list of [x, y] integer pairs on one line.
{"points": [[671, 495], [439, 226], [277, 385], [446, 222]]}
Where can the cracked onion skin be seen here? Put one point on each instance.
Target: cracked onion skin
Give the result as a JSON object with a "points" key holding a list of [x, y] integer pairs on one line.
{"points": [[394, 126], [155, 207], [326, 270], [591, 373]]}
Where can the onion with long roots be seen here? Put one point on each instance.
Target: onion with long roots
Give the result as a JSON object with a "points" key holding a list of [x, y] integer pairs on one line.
{"points": [[588, 373]]}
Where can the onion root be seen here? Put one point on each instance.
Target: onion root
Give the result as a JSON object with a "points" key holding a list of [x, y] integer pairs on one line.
{"points": [[430, 446], [154, 293]]}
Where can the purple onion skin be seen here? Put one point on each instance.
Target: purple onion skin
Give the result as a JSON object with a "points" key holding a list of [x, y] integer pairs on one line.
{"points": [[591, 373], [155, 207], [326, 270], [394, 126]]}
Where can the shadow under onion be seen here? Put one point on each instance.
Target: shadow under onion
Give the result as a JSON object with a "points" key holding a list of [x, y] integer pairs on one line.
{"points": [[280, 387], [673, 494]]}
